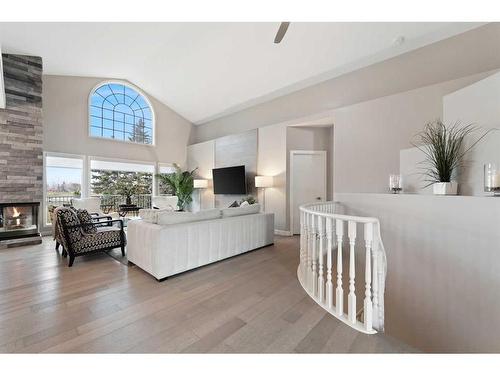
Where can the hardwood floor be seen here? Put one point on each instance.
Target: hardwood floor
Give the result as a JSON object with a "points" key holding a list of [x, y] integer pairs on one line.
{"points": [[250, 303]]}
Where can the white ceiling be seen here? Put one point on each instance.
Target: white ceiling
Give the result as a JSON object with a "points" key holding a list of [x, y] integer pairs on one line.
{"points": [[206, 70]]}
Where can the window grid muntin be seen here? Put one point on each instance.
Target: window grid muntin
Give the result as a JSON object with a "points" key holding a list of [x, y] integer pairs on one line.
{"points": [[114, 129]]}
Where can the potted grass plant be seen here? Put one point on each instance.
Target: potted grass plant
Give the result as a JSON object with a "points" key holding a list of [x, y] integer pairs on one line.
{"points": [[445, 148]]}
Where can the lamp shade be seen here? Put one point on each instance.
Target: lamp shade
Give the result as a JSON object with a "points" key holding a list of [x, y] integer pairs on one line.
{"points": [[264, 181], [200, 184]]}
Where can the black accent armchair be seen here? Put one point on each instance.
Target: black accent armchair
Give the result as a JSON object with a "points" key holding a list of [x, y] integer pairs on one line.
{"points": [[80, 234]]}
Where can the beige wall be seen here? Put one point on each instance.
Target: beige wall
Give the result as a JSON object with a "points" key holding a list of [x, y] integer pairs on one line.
{"points": [[475, 104], [438, 62], [369, 136], [65, 112], [272, 161], [442, 268], [202, 156], [478, 104]]}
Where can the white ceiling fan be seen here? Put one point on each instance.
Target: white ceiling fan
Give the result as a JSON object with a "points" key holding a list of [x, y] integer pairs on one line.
{"points": [[281, 32]]}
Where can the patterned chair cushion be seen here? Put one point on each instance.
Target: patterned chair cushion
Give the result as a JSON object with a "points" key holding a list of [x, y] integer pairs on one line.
{"points": [[103, 239], [85, 218], [66, 217]]}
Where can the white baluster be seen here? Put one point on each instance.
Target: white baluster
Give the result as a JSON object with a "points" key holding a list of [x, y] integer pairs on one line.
{"points": [[329, 249], [351, 298], [301, 242], [309, 251], [368, 307], [339, 224], [321, 279], [314, 256], [375, 274]]}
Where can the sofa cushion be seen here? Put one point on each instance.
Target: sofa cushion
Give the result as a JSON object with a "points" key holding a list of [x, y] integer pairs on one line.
{"points": [[150, 215], [167, 218], [238, 211], [104, 239]]}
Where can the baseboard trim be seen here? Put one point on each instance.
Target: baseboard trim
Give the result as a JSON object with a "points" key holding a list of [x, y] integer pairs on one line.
{"points": [[279, 232]]}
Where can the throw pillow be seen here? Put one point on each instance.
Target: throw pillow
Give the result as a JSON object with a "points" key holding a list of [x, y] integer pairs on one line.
{"points": [[86, 219], [234, 204]]}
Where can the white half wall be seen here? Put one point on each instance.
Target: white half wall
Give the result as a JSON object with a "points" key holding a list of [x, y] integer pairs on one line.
{"points": [[442, 268]]}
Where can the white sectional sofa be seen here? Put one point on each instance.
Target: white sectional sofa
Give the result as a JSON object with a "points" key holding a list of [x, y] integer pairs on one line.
{"points": [[168, 243]]}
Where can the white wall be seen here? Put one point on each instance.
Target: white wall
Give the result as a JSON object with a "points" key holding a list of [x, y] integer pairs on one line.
{"points": [[272, 161], [438, 62], [474, 104], [65, 112], [2, 87], [479, 104], [442, 268], [369, 135], [202, 156]]}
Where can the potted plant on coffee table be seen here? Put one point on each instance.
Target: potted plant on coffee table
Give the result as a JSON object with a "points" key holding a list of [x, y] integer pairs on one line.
{"points": [[445, 148]]}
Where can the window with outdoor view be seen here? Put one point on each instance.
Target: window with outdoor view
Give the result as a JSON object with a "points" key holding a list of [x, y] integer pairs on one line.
{"points": [[63, 182], [121, 182], [118, 111]]}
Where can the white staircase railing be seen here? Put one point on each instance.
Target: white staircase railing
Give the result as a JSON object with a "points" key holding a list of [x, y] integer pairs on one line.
{"points": [[323, 236]]}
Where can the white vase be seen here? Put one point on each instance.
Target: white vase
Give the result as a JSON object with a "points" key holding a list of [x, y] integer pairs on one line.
{"points": [[445, 188]]}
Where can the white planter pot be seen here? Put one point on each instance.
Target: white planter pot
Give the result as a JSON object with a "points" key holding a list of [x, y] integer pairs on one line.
{"points": [[445, 188]]}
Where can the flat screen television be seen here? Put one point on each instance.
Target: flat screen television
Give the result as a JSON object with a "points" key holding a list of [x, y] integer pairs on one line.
{"points": [[229, 180]]}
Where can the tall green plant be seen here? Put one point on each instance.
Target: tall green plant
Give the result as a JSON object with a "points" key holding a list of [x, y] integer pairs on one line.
{"points": [[444, 148], [181, 183]]}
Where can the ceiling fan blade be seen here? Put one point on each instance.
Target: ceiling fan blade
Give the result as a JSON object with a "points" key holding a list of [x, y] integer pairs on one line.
{"points": [[281, 32]]}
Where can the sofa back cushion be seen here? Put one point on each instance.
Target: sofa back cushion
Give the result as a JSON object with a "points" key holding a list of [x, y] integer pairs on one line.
{"points": [[238, 211], [150, 215], [92, 204], [165, 202], [167, 218]]}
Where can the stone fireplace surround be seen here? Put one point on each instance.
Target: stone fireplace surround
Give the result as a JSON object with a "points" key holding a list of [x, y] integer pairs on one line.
{"points": [[21, 134]]}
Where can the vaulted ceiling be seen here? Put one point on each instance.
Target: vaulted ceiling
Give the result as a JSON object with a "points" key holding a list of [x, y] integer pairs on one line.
{"points": [[206, 70]]}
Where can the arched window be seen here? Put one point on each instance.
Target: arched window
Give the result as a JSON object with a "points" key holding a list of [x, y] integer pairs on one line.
{"points": [[119, 111]]}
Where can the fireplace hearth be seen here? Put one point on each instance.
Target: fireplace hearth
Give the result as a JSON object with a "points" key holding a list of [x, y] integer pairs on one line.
{"points": [[19, 224]]}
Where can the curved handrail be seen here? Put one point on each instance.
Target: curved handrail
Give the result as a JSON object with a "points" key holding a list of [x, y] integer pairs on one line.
{"points": [[322, 230]]}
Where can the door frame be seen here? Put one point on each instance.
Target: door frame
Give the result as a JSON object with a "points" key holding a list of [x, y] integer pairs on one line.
{"points": [[304, 152]]}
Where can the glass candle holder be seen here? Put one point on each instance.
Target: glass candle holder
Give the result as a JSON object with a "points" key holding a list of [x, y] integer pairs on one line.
{"points": [[395, 183], [492, 178]]}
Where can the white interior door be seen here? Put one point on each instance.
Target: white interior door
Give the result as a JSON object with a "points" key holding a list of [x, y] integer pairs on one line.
{"points": [[307, 182]]}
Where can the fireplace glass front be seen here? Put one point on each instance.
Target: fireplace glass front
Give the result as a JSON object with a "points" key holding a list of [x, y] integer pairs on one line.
{"points": [[18, 220]]}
